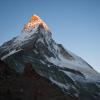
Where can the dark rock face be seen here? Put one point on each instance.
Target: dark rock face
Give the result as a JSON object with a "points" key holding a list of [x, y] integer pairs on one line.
{"points": [[2, 66], [4, 70], [31, 65], [65, 53], [30, 86]]}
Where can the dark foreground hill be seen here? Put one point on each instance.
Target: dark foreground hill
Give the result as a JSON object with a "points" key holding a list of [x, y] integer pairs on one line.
{"points": [[28, 86]]}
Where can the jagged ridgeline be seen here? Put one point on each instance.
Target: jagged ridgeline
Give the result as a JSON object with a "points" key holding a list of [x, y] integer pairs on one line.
{"points": [[51, 60]]}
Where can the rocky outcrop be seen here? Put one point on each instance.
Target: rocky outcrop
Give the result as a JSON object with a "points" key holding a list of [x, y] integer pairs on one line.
{"points": [[30, 86]]}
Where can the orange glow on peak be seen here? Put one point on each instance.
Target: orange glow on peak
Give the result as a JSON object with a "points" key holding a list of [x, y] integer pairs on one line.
{"points": [[33, 22]]}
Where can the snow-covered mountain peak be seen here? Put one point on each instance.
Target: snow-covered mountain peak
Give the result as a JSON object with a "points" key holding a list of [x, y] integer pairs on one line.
{"points": [[51, 60], [35, 27], [33, 23]]}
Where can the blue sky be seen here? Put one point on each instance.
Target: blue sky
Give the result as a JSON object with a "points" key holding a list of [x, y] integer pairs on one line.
{"points": [[74, 23]]}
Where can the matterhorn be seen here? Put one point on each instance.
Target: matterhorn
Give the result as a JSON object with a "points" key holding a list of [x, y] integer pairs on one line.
{"points": [[67, 71]]}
